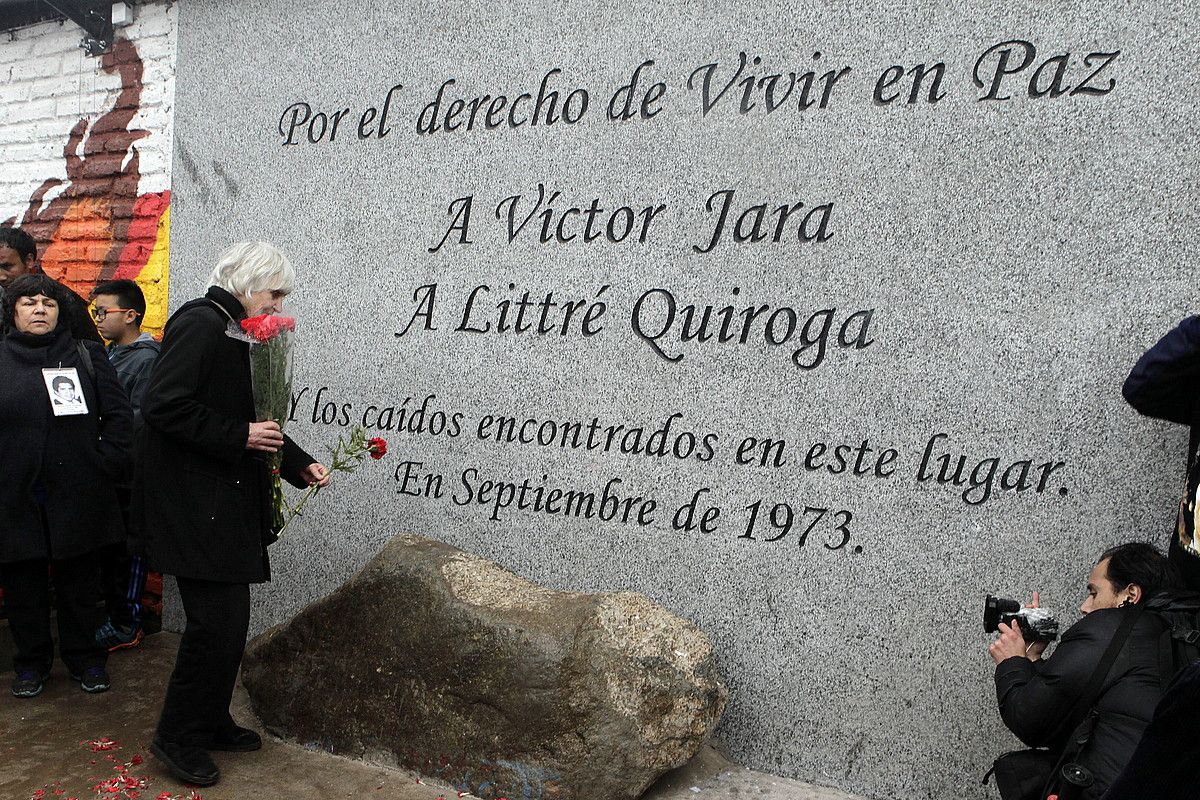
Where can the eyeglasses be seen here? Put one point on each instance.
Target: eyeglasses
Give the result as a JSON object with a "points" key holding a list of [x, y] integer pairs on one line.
{"points": [[99, 314]]}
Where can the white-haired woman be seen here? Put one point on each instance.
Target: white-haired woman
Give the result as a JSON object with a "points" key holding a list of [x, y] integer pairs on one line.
{"points": [[204, 495]]}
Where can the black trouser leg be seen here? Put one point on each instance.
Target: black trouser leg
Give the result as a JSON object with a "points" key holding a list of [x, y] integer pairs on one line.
{"points": [[27, 602], [124, 578], [77, 594], [201, 687]]}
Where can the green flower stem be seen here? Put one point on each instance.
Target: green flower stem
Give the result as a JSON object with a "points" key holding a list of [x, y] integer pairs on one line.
{"points": [[345, 456], [297, 509]]}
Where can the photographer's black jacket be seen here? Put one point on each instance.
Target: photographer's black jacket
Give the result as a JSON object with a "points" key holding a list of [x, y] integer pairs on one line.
{"points": [[1035, 697]]}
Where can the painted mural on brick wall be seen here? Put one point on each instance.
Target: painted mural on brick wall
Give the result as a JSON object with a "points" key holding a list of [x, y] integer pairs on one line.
{"points": [[95, 226]]}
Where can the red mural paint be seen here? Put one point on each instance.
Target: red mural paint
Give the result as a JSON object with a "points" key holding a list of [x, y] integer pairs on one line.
{"points": [[142, 234]]}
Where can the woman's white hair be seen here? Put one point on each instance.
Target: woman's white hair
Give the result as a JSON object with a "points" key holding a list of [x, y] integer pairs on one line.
{"points": [[248, 267]]}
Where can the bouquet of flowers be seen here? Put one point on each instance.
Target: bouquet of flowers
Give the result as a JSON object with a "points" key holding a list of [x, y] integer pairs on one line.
{"points": [[270, 339]]}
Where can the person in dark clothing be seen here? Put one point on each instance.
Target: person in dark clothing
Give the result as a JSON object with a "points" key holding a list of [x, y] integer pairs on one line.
{"points": [[205, 492], [18, 256], [1035, 695], [1165, 383], [1165, 766], [58, 504], [118, 308]]}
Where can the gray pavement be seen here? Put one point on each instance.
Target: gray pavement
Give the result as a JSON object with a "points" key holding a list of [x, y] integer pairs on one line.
{"points": [[71, 741]]}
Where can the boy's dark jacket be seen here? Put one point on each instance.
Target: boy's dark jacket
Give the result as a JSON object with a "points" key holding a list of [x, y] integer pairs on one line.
{"points": [[133, 363]]}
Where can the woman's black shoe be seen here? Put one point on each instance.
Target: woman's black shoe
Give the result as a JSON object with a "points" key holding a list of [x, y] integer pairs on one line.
{"points": [[189, 764], [236, 740]]}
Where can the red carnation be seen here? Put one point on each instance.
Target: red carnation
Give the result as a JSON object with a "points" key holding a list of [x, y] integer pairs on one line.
{"points": [[377, 448], [266, 327]]}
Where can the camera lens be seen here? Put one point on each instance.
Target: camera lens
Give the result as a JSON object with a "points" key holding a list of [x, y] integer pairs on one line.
{"points": [[993, 607]]}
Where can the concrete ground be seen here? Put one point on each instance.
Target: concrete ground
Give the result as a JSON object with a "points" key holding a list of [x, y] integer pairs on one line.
{"points": [[67, 744]]}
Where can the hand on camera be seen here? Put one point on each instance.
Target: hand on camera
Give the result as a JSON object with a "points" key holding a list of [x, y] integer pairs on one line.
{"points": [[1010, 643], [1033, 651]]}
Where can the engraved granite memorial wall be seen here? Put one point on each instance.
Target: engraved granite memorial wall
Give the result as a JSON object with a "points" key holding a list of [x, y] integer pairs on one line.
{"points": [[806, 319]]}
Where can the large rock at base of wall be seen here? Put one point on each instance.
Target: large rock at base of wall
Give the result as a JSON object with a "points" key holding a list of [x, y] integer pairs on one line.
{"points": [[450, 665]]}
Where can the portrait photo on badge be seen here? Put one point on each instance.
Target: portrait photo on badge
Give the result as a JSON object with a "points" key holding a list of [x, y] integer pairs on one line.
{"points": [[62, 386]]}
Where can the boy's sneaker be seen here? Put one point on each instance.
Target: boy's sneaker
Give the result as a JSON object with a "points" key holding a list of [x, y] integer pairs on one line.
{"points": [[118, 637], [93, 680], [29, 683]]}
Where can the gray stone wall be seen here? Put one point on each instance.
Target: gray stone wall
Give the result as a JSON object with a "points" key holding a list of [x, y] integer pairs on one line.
{"points": [[969, 276]]}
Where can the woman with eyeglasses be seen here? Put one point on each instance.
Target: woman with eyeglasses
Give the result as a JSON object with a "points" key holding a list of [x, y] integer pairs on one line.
{"points": [[65, 428], [206, 497]]}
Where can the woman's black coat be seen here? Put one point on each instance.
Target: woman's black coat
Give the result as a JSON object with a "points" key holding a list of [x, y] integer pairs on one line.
{"points": [[203, 498], [73, 462]]}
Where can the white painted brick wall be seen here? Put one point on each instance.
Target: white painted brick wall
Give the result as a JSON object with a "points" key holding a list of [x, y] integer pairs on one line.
{"points": [[47, 83]]}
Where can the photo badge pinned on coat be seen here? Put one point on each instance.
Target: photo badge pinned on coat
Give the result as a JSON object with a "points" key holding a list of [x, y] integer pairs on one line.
{"points": [[62, 385]]}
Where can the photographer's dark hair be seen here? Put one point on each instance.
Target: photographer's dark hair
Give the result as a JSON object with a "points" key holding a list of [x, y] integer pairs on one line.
{"points": [[31, 286], [1143, 564], [20, 241], [128, 294]]}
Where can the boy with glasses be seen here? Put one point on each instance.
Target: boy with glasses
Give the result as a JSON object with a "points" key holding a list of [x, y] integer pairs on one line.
{"points": [[118, 308]]}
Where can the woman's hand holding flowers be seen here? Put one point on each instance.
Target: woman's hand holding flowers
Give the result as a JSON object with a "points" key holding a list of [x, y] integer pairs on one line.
{"points": [[316, 475], [264, 436]]}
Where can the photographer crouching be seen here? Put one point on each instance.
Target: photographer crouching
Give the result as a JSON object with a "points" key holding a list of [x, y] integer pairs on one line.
{"points": [[1087, 704]]}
